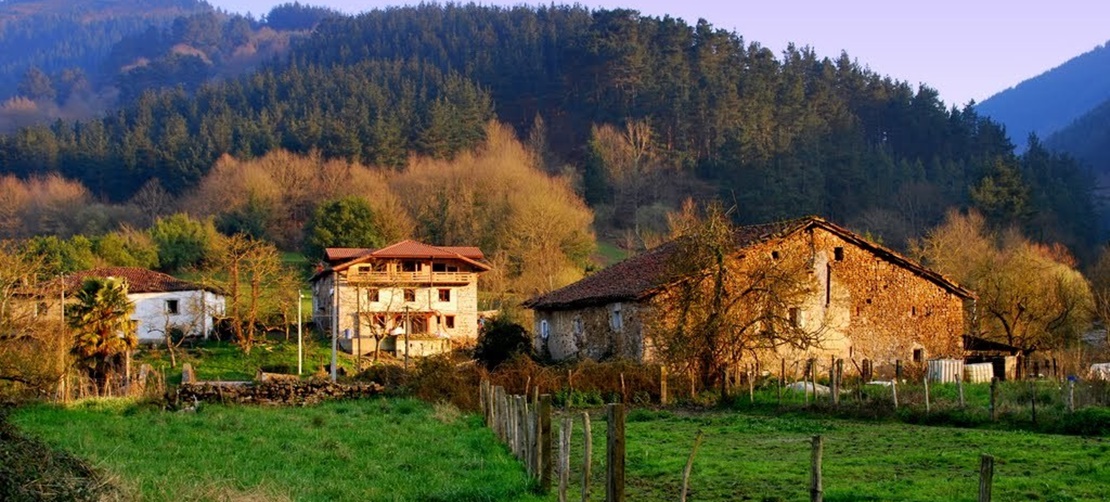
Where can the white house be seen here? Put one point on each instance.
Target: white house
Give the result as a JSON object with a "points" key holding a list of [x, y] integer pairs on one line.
{"points": [[162, 302]]}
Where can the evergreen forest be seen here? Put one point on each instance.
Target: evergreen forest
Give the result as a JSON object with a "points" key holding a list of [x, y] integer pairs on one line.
{"points": [[638, 112]]}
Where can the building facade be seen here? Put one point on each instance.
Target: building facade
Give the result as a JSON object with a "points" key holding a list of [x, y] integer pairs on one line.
{"points": [[861, 300], [162, 302], [406, 298]]}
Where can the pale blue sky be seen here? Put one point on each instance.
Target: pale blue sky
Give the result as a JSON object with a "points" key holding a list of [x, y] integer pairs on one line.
{"points": [[966, 49]]}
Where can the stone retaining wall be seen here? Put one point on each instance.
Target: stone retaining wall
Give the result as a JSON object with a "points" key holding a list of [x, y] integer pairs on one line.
{"points": [[274, 392]]}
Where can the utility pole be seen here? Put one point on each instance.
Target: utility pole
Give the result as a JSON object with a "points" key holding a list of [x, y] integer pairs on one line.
{"points": [[408, 325], [334, 326], [300, 338]]}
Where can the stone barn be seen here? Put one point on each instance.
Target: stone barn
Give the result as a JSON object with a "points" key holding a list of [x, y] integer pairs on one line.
{"points": [[868, 301]]}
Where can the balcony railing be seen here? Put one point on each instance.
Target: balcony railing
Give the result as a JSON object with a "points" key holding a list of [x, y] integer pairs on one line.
{"points": [[410, 277]]}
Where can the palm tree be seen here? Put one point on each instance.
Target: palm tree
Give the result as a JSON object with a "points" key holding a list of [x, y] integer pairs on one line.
{"points": [[101, 321]]}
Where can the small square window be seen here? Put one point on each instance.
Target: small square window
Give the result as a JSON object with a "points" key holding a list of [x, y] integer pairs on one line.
{"points": [[449, 321], [918, 355], [838, 254], [373, 295], [172, 307], [775, 255], [445, 295], [410, 295]]}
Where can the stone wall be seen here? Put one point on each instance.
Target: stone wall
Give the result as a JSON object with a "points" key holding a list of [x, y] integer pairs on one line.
{"points": [[278, 392], [863, 304], [588, 333]]}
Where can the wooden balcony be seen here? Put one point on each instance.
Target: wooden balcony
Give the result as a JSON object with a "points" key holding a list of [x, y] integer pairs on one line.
{"points": [[396, 277]]}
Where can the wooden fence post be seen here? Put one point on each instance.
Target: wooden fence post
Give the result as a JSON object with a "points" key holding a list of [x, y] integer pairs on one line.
{"points": [[782, 377], [926, 380], [816, 491], [1071, 396], [544, 448], [751, 385], [839, 378], [960, 386], [897, 369], [894, 391], [689, 467], [994, 399], [663, 385], [833, 398], [986, 477], [587, 455], [1033, 399], [614, 465], [564, 457]]}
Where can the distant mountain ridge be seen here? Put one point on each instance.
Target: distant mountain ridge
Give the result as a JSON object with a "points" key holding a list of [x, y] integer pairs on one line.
{"points": [[1054, 99]]}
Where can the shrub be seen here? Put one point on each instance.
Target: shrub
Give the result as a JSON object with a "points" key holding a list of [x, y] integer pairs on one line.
{"points": [[500, 341]]}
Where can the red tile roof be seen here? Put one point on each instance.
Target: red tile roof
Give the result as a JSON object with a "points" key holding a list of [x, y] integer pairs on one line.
{"points": [[139, 280], [641, 276], [343, 254], [405, 249]]}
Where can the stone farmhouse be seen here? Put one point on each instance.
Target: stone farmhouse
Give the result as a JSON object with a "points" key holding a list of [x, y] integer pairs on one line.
{"points": [[407, 294], [868, 301], [162, 302]]}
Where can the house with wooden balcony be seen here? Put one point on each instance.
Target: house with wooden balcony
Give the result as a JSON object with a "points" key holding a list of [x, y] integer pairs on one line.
{"points": [[406, 298]]}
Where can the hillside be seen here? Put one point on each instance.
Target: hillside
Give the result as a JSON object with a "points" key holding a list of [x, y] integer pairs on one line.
{"points": [[55, 35], [642, 112], [77, 63], [1050, 101], [1087, 139]]}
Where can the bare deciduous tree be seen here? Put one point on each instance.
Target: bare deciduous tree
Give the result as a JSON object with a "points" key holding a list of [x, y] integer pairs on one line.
{"points": [[722, 304]]}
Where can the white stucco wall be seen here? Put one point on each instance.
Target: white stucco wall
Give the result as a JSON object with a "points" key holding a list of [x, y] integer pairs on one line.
{"points": [[194, 314]]}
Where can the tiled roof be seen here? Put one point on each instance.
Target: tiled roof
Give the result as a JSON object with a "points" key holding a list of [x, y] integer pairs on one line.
{"points": [[638, 276], [405, 249], [139, 280], [641, 275], [343, 254], [471, 252]]}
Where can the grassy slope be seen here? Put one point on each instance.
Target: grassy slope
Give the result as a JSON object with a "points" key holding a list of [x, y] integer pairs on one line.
{"points": [[767, 458], [360, 450], [225, 361]]}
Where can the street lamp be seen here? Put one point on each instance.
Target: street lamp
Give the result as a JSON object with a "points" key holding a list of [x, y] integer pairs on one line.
{"points": [[300, 338], [407, 329]]}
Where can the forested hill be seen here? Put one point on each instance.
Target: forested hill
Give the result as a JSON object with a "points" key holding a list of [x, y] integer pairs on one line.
{"points": [[644, 111], [74, 35], [1087, 139], [1054, 99]]}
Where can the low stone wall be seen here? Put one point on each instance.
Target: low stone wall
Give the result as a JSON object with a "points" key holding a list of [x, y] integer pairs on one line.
{"points": [[274, 392]]}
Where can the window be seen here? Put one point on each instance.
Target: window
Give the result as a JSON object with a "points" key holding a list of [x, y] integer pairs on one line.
{"points": [[445, 295], [795, 317], [545, 330], [410, 295], [913, 311], [172, 307], [918, 355], [578, 328], [615, 320], [373, 295], [409, 266], [838, 254], [775, 255], [439, 267], [449, 321]]}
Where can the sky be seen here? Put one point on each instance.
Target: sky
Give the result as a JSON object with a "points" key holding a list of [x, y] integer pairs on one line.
{"points": [[965, 49]]}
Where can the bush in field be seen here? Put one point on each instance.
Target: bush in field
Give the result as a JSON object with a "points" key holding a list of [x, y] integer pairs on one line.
{"points": [[500, 341]]}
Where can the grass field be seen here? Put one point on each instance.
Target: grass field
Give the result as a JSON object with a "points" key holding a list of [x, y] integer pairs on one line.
{"points": [[357, 450], [225, 361], [764, 458], [409, 450]]}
